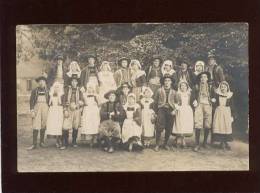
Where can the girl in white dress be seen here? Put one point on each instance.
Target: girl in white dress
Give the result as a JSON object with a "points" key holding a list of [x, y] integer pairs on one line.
{"points": [[222, 121], [90, 116], [132, 130], [183, 125], [55, 115], [148, 116], [106, 80]]}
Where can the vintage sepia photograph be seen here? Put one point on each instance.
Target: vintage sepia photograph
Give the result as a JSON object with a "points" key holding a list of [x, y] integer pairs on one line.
{"points": [[118, 97]]}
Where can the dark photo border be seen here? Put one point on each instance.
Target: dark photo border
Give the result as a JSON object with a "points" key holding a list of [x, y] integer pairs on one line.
{"points": [[18, 12]]}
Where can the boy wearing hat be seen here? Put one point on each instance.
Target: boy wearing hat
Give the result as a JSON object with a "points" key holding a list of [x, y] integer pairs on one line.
{"points": [[164, 100], [112, 115], [39, 101], [202, 99], [184, 75], [215, 70], [122, 75], [73, 101], [154, 73], [89, 74], [57, 73], [123, 92]]}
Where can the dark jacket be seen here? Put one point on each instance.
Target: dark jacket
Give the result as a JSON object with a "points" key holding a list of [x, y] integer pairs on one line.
{"points": [[67, 96], [187, 75], [52, 74], [160, 98], [115, 107], [85, 74], [196, 92], [153, 72], [34, 97], [218, 75]]}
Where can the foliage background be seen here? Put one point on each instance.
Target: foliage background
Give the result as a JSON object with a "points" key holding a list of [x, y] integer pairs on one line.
{"points": [[174, 41]]}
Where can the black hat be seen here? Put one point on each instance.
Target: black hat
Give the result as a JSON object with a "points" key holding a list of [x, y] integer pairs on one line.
{"points": [[154, 57], [212, 54], [110, 92], [74, 77], [166, 76], [59, 57], [91, 56], [124, 58], [41, 78], [199, 76]]}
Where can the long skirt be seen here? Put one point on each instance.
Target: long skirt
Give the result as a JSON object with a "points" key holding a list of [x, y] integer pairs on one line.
{"points": [[55, 121], [130, 129], [222, 124], [40, 119], [109, 128], [148, 126], [90, 120], [183, 125]]}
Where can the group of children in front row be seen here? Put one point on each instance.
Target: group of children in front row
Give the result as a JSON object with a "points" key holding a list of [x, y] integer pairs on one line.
{"points": [[134, 122]]}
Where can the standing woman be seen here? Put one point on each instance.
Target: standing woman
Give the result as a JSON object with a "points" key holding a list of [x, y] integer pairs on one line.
{"points": [[90, 116], [138, 79], [154, 73], [55, 115], [183, 126], [222, 121], [132, 130], [106, 79]]}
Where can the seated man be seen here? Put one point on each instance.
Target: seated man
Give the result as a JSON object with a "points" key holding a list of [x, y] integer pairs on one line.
{"points": [[112, 114]]}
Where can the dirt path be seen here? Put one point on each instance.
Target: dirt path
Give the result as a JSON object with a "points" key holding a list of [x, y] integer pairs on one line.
{"points": [[83, 158]]}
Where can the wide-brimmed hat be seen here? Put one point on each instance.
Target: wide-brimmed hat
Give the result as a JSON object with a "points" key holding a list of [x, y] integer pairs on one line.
{"points": [[200, 74], [91, 56], [212, 54], [41, 78], [109, 93], [59, 57], [124, 58], [154, 57], [166, 76]]}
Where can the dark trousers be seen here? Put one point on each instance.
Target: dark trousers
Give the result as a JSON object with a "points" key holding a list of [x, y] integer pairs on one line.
{"points": [[164, 122], [197, 136]]}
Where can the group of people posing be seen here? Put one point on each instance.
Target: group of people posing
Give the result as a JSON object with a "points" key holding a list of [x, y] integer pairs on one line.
{"points": [[133, 105]]}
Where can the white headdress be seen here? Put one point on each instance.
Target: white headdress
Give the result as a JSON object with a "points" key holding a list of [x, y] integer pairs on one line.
{"points": [[54, 86], [199, 63], [145, 88], [77, 69], [137, 62], [105, 63], [170, 63], [229, 94]]}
